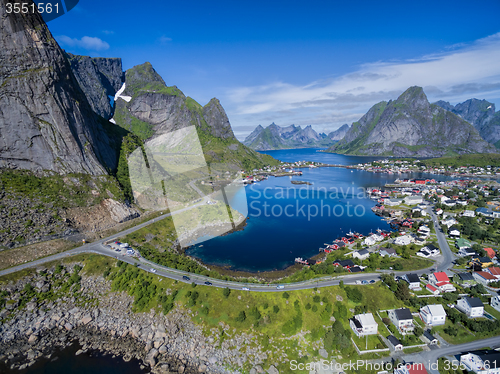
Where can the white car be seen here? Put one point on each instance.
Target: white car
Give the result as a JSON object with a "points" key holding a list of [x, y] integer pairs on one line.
{"points": [[280, 287], [246, 289], [152, 270]]}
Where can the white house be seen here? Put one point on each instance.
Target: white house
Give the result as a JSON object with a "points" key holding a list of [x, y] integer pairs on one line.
{"points": [[362, 254], [394, 343], [454, 231], [413, 200], [449, 222], [495, 302], [432, 249], [468, 213], [484, 277], [413, 281], [363, 324], [472, 306], [403, 240], [390, 252], [463, 252], [433, 315], [369, 241], [424, 252], [424, 231], [393, 202], [418, 209], [486, 361], [402, 319]]}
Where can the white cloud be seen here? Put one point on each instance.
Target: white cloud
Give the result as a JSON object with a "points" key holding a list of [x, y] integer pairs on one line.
{"points": [[164, 39], [87, 42], [108, 32], [459, 73]]}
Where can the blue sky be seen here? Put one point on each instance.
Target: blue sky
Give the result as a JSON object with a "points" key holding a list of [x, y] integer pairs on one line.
{"points": [[323, 63]]}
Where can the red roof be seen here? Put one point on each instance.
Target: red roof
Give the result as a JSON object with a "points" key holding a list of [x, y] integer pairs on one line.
{"points": [[486, 275], [441, 277], [416, 369], [494, 270], [431, 287], [491, 253]]}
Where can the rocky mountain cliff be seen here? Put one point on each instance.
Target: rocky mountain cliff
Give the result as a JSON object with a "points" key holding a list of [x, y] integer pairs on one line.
{"points": [[154, 109], [100, 79], [339, 134], [46, 122], [411, 126], [481, 114], [277, 137]]}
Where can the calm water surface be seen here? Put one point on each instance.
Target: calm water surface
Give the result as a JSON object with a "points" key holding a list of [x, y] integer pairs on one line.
{"points": [[288, 221]]}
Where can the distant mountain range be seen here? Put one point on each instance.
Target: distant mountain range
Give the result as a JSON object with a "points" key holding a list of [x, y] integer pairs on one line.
{"points": [[276, 137], [481, 114], [412, 127]]}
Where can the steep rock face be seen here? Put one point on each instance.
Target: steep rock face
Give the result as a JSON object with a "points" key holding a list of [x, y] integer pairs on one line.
{"points": [[253, 135], [410, 126], [99, 79], [156, 109], [481, 114], [46, 122], [361, 129], [339, 133], [277, 137], [217, 120]]}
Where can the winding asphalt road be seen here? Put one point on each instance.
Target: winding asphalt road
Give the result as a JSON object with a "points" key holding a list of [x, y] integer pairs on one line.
{"points": [[101, 248], [429, 358]]}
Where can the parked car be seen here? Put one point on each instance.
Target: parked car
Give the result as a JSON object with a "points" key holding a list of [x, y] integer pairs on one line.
{"points": [[280, 287], [152, 270], [185, 277], [373, 281], [364, 282], [208, 283], [246, 289]]}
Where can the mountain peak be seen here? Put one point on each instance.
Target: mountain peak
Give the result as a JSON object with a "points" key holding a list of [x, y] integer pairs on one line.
{"points": [[143, 76], [481, 114], [292, 136], [410, 126], [414, 96]]}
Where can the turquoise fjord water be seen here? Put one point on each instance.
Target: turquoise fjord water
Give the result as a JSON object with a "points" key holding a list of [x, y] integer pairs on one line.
{"points": [[266, 243], [288, 221]]}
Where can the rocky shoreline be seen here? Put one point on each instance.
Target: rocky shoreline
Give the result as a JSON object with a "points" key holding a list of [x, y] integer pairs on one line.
{"points": [[101, 320]]}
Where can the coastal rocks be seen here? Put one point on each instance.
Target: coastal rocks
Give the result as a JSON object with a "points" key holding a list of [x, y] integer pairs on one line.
{"points": [[167, 344], [119, 212], [85, 320], [151, 357], [272, 370]]}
